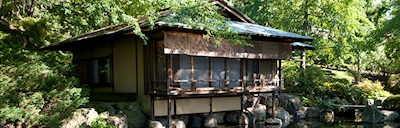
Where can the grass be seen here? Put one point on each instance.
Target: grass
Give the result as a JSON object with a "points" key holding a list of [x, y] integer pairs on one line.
{"points": [[338, 74]]}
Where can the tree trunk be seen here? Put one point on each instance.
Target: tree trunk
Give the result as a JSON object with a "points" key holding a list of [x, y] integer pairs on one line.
{"points": [[359, 61]]}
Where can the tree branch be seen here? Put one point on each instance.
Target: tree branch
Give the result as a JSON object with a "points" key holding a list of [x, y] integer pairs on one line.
{"points": [[5, 27]]}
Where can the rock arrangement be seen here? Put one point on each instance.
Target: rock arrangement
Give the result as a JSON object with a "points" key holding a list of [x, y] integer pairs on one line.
{"points": [[257, 108], [117, 115]]}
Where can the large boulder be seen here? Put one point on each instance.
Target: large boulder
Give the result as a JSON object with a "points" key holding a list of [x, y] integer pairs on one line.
{"points": [[210, 122], [233, 117], [269, 103], [83, 116], [133, 111], [154, 124], [178, 124], [184, 118], [372, 114], [118, 121], [310, 112], [260, 112], [390, 115], [299, 115], [273, 123], [327, 116], [291, 103], [220, 117], [244, 119], [282, 114], [196, 122], [236, 117]]}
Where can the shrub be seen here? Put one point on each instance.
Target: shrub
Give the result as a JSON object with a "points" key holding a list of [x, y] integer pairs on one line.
{"points": [[392, 103], [321, 87], [373, 89], [393, 84], [37, 89], [308, 81]]}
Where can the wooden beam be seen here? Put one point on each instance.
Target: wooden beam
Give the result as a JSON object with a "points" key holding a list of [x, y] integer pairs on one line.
{"points": [[280, 75], [192, 72], [210, 72], [273, 104], [243, 72], [152, 108], [175, 108], [169, 62], [226, 72], [169, 124]]}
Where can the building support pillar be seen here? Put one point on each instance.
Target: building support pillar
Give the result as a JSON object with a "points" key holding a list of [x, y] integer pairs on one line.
{"points": [[273, 105], [280, 76], [169, 124]]}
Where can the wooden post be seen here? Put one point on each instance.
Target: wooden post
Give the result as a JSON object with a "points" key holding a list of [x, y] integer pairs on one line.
{"points": [[152, 108], [243, 72], [169, 62], [226, 72], [273, 105], [210, 72], [210, 106], [169, 124], [175, 108], [280, 75], [192, 73]]}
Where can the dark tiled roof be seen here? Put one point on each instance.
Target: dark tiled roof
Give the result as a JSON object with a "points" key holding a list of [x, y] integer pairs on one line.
{"points": [[300, 45]]}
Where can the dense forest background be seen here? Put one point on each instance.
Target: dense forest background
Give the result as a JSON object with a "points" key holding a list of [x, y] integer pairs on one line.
{"points": [[39, 88]]}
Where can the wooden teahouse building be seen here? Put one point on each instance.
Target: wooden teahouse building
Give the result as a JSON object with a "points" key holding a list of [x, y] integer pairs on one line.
{"points": [[178, 71]]}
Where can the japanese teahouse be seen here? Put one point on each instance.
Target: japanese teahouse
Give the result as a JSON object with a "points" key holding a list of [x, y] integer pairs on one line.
{"points": [[178, 71]]}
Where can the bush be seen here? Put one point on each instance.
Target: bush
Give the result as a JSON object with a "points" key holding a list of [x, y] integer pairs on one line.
{"points": [[392, 103], [308, 81], [393, 84], [37, 89], [373, 89], [321, 87]]}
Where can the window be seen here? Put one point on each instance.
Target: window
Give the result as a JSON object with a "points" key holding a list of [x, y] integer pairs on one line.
{"points": [[233, 72], [252, 72], [201, 71], [252, 69], [218, 72], [101, 71]]}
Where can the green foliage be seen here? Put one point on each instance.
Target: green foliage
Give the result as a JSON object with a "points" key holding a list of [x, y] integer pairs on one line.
{"points": [[388, 35], [393, 84], [392, 103], [320, 87], [34, 93], [37, 88], [373, 89], [100, 122], [340, 27], [204, 15]]}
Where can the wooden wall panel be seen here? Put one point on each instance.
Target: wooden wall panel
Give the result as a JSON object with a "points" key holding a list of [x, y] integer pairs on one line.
{"points": [[226, 103], [183, 106]]}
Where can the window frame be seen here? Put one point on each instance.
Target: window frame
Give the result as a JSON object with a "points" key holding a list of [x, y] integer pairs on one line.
{"points": [[92, 83]]}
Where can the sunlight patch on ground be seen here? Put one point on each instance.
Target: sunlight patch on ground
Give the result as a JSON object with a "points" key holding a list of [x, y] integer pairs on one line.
{"points": [[341, 75]]}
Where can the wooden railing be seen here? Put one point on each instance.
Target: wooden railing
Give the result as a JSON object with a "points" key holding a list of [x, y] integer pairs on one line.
{"points": [[168, 86]]}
